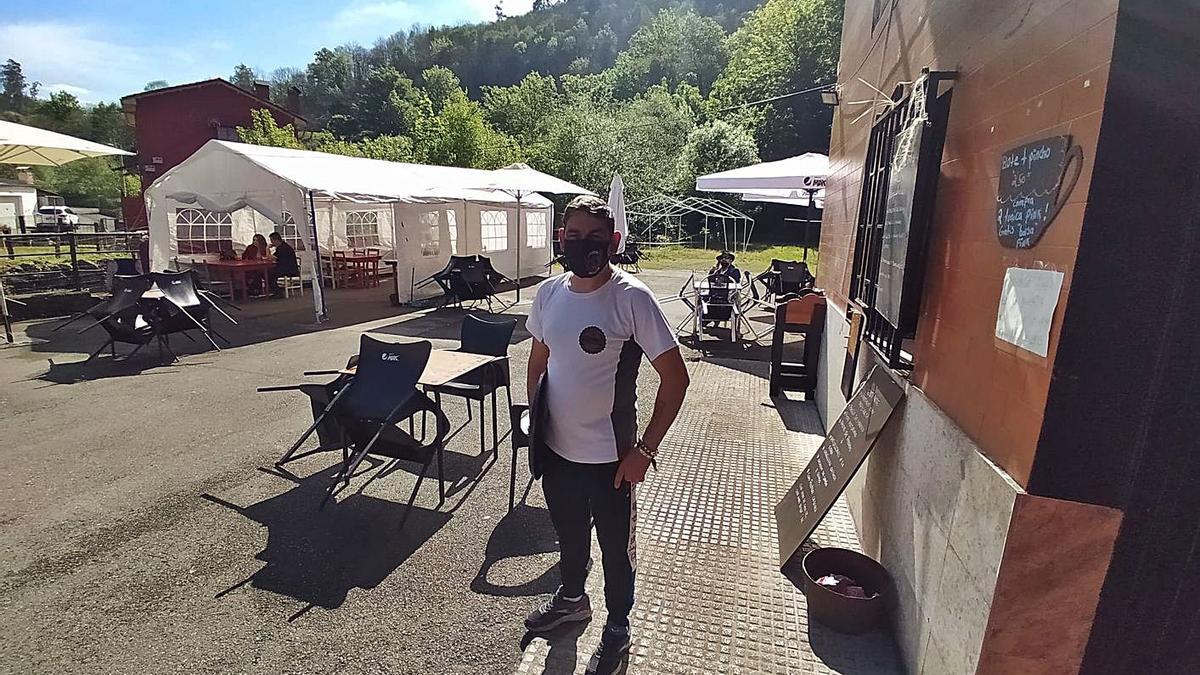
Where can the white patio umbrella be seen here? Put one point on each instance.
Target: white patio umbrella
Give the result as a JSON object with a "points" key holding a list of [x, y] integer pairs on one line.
{"points": [[519, 181], [783, 181], [21, 144], [802, 172], [29, 146], [616, 203]]}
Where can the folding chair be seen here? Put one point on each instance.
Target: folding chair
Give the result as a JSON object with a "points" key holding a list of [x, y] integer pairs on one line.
{"points": [[382, 393], [182, 308], [490, 338], [783, 277], [127, 326], [717, 303], [126, 291], [630, 259], [330, 435]]}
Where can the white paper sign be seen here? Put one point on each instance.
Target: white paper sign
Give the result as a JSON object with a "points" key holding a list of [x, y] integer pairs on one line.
{"points": [[1027, 305]]}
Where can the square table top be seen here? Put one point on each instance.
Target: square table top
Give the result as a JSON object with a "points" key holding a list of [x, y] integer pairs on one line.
{"points": [[445, 365]]}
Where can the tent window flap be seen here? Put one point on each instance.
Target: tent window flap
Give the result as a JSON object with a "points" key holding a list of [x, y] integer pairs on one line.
{"points": [[494, 230], [200, 231], [362, 229], [535, 230]]}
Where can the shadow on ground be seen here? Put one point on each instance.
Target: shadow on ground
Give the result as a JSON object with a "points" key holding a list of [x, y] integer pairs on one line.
{"points": [[317, 555], [524, 531]]}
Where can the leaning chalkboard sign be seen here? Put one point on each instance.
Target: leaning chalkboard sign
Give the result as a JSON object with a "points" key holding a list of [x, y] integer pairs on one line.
{"points": [[829, 471], [1035, 181]]}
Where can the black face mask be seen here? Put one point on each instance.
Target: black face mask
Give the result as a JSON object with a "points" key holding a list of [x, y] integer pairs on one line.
{"points": [[586, 257]]}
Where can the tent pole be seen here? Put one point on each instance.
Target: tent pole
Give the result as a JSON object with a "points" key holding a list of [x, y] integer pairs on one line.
{"points": [[8, 335], [811, 205], [319, 290]]}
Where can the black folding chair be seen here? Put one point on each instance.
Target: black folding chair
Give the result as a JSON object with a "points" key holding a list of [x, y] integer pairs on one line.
{"points": [[489, 338], [382, 393], [127, 326], [330, 435], [181, 307], [519, 419], [783, 277], [630, 259], [716, 300], [127, 289]]}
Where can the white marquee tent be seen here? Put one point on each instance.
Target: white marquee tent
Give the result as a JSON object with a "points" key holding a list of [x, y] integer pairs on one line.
{"points": [[418, 214]]}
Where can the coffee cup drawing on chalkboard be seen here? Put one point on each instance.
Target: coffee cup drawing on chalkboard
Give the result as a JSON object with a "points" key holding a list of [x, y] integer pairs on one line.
{"points": [[1036, 179]]}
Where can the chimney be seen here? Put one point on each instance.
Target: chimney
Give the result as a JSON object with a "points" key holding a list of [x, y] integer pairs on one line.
{"points": [[293, 101], [262, 90]]}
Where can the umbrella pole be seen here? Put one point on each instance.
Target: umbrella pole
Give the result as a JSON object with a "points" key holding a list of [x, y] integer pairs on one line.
{"points": [[808, 221], [519, 245]]}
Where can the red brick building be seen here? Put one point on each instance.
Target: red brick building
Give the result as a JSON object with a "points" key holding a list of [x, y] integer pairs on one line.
{"points": [[173, 122], [1036, 504]]}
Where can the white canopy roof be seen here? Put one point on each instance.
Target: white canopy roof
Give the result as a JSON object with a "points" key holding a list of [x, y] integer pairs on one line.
{"points": [[21, 144], [803, 172], [521, 179], [359, 179]]}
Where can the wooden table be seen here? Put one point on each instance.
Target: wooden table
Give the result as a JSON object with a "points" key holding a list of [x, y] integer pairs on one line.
{"points": [[445, 365], [232, 269], [365, 264]]}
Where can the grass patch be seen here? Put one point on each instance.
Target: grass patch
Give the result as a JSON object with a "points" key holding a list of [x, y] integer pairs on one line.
{"points": [[754, 260], [48, 260]]}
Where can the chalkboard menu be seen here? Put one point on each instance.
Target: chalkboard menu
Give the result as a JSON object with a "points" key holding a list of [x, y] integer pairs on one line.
{"points": [[1034, 185], [829, 471], [897, 220]]}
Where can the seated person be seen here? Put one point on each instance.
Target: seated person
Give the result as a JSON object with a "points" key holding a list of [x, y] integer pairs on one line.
{"points": [[257, 250], [725, 268], [286, 264]]}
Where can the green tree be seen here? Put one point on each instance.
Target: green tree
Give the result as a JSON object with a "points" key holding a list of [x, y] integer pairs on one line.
{"points": [[675, 47], [521, 110], [716, 146], [441, 84], [106, 124], [391, 104], [62, 113], [328, 84], [463, 138], [244, 76], [15, 95], [84, 182], [264, 130], [156, 84], [783, 47], [389, 148]]}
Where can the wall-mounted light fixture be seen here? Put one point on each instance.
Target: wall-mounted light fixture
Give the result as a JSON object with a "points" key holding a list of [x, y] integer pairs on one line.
{"points": [[829, 96]]}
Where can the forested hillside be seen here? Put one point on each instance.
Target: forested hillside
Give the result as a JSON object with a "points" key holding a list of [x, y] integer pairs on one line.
{"points": [[654, 89]]}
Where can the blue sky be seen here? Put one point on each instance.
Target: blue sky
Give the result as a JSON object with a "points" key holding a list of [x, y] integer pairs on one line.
{"points": [[101, 51]]}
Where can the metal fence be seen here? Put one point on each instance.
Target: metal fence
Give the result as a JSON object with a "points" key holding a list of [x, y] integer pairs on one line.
{"points": [[32, 263]]}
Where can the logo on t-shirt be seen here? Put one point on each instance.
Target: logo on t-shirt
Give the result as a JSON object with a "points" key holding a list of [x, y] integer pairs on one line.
{"points": [[592, 340]]}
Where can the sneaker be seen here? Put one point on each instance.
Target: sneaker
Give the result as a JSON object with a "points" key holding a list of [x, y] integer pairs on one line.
{"points": [[613, 649], [556, 611]]}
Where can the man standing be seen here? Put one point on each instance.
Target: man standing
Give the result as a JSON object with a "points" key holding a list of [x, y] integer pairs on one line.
{"points": [[285, 264], [591, 328]]}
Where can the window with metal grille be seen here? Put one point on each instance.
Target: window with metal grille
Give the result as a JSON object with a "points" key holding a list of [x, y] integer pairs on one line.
{"points": [[535, 229], [289, 232], [494, 230], [899, 186], [362, 228], [200, 231]]}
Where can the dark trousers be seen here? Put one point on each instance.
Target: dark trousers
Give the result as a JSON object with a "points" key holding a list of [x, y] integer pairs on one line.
{"points": [[578, 495]]}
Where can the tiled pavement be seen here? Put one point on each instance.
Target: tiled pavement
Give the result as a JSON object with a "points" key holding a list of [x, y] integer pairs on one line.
{"points": [[710, 596]]}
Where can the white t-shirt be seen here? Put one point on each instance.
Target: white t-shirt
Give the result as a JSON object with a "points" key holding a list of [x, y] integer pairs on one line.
{"points": [[596, 343]]}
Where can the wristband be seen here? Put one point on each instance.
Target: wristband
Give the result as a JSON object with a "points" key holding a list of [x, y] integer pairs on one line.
{"points": [[645, 451]]}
